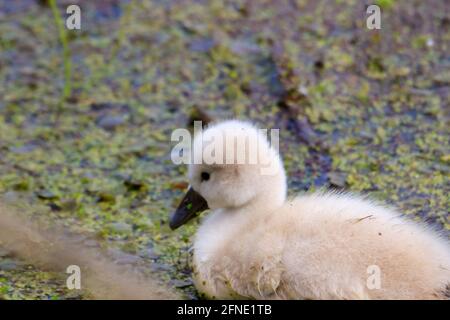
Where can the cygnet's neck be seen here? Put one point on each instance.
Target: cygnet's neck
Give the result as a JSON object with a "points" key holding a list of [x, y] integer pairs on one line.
{"points": [[267, 200]]}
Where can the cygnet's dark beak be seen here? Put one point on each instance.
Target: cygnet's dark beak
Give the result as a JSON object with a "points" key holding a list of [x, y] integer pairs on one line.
{"points": [[191, 204]]}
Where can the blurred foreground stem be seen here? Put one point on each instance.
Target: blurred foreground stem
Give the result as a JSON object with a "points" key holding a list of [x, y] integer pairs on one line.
{"points": [[67, 91]]}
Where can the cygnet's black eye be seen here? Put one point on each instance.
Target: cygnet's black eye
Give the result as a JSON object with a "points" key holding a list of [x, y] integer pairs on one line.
{"points": [[205, 176]]}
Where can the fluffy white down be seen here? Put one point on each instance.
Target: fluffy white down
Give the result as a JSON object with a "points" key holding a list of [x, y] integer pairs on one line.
{"points": [[315, 246]]}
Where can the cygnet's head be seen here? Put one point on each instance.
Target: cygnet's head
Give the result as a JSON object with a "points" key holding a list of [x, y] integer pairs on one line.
{"points": [[234, 166]]}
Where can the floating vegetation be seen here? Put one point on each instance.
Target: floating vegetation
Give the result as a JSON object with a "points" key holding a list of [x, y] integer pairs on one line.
{"points": [[365, 110]]}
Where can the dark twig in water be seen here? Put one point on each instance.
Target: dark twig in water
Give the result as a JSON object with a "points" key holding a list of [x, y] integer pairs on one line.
{"points": [[292, 101], [199, 114]]}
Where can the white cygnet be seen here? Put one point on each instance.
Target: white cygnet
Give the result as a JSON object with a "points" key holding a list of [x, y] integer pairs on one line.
{"points": [[255, 243]]}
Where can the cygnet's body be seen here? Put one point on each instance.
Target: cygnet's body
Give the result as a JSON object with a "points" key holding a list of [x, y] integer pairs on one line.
{"points": [[257, 244]]}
